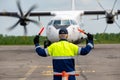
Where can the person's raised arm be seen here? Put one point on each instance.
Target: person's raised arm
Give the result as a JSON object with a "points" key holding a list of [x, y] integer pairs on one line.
{"points": [[38, 48], [89, 46]]}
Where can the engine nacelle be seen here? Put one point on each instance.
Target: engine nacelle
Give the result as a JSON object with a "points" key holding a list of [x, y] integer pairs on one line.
{"points": [[110, 18]]}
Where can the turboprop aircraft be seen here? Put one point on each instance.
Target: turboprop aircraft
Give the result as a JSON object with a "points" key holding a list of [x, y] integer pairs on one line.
{"points": [[67, 19]]}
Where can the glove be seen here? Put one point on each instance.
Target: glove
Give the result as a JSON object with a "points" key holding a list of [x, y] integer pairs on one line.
{"points": [[90, 36], [36, 39]]}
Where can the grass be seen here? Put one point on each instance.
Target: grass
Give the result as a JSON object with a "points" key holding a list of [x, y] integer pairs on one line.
{"points": [[28, 40]]}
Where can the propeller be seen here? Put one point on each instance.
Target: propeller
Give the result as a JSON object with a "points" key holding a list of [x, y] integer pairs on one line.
{"points": [[23, 18], [110, 16]]}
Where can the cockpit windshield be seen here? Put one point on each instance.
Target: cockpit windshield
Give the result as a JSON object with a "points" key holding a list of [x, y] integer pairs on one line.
{"points": [[62, 23], [57, 22]]}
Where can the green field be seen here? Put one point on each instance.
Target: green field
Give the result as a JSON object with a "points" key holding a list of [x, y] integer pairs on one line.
{"points": [[28, 40], [18, 40], [107, 38]]}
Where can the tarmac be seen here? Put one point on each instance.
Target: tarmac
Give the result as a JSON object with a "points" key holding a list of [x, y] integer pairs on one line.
{"points": [[22, 63]]}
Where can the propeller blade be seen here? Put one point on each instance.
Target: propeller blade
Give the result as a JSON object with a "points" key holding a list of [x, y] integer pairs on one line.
{"points": [[19, 8], [25, 30], [100, 5], [113, 6], [30, 20], [14, 25], [105, 28], [117, 24], [32, 8]]}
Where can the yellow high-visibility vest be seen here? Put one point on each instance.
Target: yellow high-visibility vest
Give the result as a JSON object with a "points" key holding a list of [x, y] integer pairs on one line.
{"points": [[62, 48]]}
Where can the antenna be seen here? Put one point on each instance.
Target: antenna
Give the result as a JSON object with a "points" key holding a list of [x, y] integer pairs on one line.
{"points": [[73, 4]]}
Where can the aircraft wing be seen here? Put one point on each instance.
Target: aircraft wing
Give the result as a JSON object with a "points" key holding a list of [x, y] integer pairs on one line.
{"points": [[13, 14], [94, 12], [98, 12], [52, 13], [41, 14]]}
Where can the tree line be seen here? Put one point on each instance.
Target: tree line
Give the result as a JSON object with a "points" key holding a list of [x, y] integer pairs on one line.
{"points": [[107, 38]]}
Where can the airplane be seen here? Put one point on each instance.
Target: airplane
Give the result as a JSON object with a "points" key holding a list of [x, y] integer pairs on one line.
{"points": [[61, 19]]}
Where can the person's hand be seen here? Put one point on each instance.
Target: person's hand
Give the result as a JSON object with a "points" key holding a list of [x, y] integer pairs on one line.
{"points": [[36, 39], [90, 36]]}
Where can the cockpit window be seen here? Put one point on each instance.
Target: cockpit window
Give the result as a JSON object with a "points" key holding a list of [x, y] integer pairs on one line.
{"points": [[57, 22], [50, 23], [73, 22], [65, 22], [62, 22]]}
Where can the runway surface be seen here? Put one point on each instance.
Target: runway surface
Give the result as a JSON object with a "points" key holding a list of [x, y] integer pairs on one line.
{"points": [[22, 63]]}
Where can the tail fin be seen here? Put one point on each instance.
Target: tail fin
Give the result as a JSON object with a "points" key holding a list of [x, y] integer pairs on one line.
{"points": [[73, 4]]}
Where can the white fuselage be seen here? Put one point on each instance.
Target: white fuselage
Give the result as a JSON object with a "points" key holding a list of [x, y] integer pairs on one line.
{"points": [[70, 22]]}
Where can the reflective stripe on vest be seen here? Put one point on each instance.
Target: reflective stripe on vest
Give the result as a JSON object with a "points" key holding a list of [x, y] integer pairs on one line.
{"points": [[63, 57]]}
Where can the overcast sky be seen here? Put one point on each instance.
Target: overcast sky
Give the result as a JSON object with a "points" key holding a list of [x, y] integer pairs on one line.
{"points": [[92, 26]]}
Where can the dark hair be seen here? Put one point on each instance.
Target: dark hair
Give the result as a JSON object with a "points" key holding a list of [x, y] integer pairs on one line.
{"points": [[63, 31]]}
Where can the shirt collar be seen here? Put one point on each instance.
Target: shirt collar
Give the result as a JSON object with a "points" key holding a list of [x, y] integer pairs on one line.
{"points": [[63, 40]]}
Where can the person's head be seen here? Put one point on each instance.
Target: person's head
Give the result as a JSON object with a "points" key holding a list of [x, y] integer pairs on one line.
{"points": [[63, 33]]}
